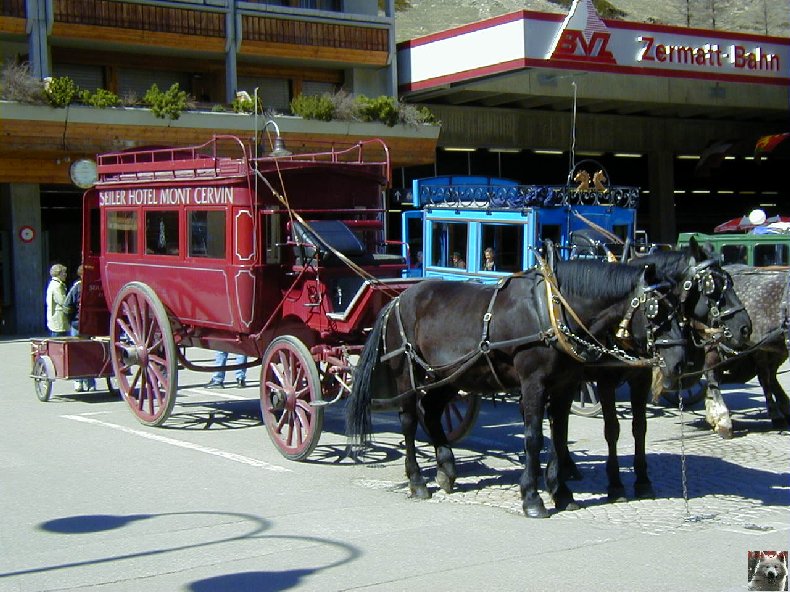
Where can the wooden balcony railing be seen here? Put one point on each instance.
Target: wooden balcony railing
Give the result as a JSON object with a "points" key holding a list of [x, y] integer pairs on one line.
{"points": [[124, 15], [14, 8], [273, 30]]}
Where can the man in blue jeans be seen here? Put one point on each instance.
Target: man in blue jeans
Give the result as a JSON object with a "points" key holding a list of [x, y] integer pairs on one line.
{"points": [[218, 378]]}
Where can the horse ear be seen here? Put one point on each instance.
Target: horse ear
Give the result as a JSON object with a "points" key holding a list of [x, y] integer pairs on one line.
{"points": [[650, 274], [695, 250]]}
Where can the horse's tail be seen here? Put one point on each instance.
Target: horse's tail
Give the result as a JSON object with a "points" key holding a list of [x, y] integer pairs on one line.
{"points": [[358, 417]]}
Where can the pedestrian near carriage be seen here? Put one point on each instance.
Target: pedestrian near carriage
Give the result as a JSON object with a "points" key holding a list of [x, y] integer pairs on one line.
{"points": [[218, 378], [73, 305], [57, 311]]}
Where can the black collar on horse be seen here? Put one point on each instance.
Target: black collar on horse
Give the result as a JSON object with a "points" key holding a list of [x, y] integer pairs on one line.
{"points": [[441, 322]]}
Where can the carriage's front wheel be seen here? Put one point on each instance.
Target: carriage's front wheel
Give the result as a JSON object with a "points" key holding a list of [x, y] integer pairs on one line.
{"points": [[43, 376], [144, 353], [585, 402], [289, 384]]}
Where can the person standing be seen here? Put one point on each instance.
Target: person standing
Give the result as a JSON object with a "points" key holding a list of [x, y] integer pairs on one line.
{"points": [[489, 259], [218, 378], [57, 312], [73, 305]]}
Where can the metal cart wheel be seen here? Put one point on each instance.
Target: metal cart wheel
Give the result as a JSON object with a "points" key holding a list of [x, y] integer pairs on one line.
{"points": [[144, 353], [43, 376], [586, 402], [289, 383], [458, 418]]}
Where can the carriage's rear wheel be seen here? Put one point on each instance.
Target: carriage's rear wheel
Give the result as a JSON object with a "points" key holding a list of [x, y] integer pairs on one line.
{"points": [[585, 402], [43, 376], [144, 353], [289, 384], [691, 396], [458, 418]]}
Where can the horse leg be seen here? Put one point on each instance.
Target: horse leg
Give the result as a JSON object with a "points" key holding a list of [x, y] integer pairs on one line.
{"points": [[611, 431], [433, 405], [776, 400], [559, 413], [716, 412], [532, 407], [408, 422], [640, 390]]}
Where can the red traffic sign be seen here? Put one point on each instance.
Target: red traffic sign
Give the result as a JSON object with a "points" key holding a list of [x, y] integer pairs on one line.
{"points": [[27, 234]]}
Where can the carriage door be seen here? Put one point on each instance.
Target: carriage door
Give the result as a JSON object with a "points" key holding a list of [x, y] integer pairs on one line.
{"points": [[412, 237], [94, 314]]}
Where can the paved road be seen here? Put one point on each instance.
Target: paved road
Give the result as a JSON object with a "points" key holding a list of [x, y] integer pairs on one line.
{"points": [[90, 499]]}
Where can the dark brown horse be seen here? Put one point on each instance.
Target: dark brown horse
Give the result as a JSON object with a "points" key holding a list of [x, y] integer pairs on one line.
{"points": [[533, 332], [715, 316]]}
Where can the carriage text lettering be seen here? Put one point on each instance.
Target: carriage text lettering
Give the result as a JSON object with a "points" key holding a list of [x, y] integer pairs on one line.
{"points": [[168, 196]]}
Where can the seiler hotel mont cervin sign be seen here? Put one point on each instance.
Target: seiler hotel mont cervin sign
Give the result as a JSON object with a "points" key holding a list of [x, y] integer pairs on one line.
{"points": [[583, 40]]}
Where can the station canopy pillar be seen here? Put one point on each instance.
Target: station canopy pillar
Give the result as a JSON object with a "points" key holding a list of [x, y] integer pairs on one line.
{"points": [[661, 179]]}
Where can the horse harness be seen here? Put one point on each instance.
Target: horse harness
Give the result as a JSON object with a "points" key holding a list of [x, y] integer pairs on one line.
{"points": [[558, 334], [712, 332]]}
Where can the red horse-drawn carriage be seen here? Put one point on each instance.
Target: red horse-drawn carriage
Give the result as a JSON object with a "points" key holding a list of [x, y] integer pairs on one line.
{"points": [[282, 258]]}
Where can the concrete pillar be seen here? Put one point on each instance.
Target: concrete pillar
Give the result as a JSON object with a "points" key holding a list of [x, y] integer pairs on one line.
{"points": [[232, 43], [38, 26], [28, 276], [661, 179]]}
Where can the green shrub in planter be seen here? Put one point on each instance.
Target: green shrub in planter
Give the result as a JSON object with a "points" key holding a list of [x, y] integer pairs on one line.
{"points": [[383, 109], [168, 104], [313, 107], [100, 98], [60, 91]]}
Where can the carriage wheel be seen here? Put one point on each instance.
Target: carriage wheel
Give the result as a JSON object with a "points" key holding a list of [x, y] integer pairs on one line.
{"points": [[289, 383], [458, 418], [144, 353], [43, 377], [585, 402]]}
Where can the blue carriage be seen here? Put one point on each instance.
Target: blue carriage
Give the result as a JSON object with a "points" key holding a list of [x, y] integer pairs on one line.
{"points": [[476, 228]]}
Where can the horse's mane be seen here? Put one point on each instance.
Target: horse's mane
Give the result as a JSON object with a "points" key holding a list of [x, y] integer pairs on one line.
{"points": [[597, 279], [669, 264]]}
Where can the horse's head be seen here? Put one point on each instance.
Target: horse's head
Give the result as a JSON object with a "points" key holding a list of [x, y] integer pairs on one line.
{"points": [[710, 303], [583, 179], [656, 325]]}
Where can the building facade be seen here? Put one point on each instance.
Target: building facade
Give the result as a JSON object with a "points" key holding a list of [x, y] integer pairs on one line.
{"points": [[676, 111], [212, 49]]}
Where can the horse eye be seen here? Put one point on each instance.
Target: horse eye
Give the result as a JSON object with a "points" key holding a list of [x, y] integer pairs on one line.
{"points": [[651, 308]]}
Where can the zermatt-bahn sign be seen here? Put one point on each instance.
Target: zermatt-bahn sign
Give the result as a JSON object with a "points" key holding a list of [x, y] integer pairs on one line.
{"points": [[585, 41]]}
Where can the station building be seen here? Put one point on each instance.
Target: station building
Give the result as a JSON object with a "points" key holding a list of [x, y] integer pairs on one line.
{"points": [[677, 111]]}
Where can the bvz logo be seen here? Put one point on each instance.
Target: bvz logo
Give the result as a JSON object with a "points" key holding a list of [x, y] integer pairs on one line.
{"points": [[583, 36]]}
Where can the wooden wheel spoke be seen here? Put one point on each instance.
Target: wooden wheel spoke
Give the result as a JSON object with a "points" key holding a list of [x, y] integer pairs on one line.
{"points": [[277, 371], [132, 312]]}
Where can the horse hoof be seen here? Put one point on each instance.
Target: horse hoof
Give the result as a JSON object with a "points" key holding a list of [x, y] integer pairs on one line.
{"points": [[616, 495], [778, 423], [570, 506], [420, 492], [724, 432], [445, 481], [535, 509], [644, 491]]}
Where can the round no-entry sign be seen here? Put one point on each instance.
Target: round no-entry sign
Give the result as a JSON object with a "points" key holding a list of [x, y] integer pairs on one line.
{"points": [[27, 234]]}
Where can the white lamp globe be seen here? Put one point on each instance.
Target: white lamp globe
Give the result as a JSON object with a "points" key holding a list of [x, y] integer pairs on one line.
{"points": [[757, 217]]}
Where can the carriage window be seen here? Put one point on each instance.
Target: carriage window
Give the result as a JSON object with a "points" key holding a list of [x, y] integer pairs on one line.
{"points": [[733, 254], [506, 240], [770, 254], [207, 234], [121, 232], [449, 238], [161, 233]]}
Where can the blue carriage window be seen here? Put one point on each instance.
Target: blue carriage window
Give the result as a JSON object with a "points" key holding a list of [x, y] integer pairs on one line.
{"points": [[207, 234], [507, 242], [161, 233], [448, 238], [122, 232]]}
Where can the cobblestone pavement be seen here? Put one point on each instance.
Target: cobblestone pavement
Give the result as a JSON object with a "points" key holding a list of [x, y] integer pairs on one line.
{"points": [[742, 484]]}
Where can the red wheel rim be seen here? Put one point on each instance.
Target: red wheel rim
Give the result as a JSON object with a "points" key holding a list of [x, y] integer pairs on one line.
{"points": [[143, 354], [289, 383]]}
